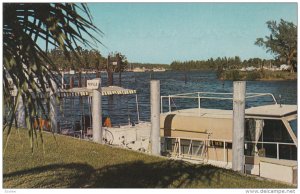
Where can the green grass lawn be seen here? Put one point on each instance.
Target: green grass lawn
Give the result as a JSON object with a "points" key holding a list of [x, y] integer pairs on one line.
{"points": [[67, 162]]}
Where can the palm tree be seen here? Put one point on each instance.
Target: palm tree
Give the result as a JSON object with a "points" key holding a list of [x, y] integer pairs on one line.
{"points": [[27, 26]]}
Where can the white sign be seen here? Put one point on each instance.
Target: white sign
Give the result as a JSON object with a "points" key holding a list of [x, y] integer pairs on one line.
{"points": [[115, 63], [93, 84]]}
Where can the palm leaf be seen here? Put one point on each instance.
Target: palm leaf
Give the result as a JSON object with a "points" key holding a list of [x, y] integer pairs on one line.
{"points": [[59, 25]]}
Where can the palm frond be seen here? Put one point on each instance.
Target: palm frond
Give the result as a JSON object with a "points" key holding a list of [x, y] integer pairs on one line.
{"points": [[26, 63]]}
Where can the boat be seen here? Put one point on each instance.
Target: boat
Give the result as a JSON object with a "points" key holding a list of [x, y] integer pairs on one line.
{"points": [[131, 135], [205, 135]]}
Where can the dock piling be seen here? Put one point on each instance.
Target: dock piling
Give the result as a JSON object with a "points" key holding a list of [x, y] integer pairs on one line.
{"points": [[53, 107], [97, 113], [155, 117], [238, 158]]}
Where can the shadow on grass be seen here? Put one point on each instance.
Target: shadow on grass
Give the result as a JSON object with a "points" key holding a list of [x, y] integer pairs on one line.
{"points": [[51, 176], [128, 175]]}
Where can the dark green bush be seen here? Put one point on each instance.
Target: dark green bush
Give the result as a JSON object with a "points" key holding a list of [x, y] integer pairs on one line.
{"points": [[233, 75], [254, 75]]}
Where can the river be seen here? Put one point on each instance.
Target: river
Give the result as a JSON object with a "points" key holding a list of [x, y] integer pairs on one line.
{"points": [[122, 108]]}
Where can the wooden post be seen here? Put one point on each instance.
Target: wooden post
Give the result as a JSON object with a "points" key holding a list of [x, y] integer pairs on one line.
{"points": [[62, 79], [238, 158], [155, 117], [79, 79], [119, 65], [71, 81], [83, 81], [110, 75], [97, 113]]}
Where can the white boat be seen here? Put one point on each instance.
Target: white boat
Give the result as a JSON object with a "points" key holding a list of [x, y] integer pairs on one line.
{"points": [[132, 135], [205, 135]]}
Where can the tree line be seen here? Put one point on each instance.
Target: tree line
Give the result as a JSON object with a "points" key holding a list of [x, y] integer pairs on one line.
{"points": [[93, 60], [223, 63], [88, 59], [148, 65]]}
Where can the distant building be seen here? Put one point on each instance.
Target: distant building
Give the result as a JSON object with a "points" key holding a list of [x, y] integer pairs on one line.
{"points": [[137, 69], [284, 67], [159, 69], [251, 68]]}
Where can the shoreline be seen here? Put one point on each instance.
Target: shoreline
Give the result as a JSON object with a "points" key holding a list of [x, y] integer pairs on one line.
{"points": [[264, 75]]}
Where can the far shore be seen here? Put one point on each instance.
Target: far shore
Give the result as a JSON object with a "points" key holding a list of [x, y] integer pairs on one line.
{"points": [[264, 75]]}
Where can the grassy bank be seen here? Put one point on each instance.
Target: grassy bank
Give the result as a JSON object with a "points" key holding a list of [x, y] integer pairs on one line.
{"points": [[69, 162], [257, 75]]}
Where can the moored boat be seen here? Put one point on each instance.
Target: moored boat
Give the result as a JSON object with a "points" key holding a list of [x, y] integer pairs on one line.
{"points": [[204, 134]]}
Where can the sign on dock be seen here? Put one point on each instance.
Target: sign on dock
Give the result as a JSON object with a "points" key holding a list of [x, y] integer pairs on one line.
{"points": [[93, 84]]}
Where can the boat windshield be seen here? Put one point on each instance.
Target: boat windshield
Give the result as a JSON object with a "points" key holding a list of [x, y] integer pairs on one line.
{"points": [[293, 124]]}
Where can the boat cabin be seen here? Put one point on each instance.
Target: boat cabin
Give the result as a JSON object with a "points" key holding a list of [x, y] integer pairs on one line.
{"points": [[205, 134]]}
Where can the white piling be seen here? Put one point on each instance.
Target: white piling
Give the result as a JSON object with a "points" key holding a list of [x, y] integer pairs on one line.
{"points": [[155, 117], [21, 113], [53, 107], [97, 114], [238, 159]]}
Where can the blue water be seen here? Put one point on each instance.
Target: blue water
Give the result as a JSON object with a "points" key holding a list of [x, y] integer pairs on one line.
{"points": [[122, 108]]}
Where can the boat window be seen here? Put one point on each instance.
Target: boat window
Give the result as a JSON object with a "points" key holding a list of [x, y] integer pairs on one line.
{"points": [[293, 124], [269, 138], [275, 131]]}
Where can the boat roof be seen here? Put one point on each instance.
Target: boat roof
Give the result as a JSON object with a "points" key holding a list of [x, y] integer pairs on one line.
{"points": [[203, 112], [84, 91], [274, 110], [106, 91]]}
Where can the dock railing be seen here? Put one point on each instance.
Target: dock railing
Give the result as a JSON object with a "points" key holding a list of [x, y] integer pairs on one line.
{"points": [[207, 95]]}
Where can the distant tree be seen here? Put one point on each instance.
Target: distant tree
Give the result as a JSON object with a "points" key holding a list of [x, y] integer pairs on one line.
{"points": [[57, 56], [123, 63], [282, 41], [88, 59]]}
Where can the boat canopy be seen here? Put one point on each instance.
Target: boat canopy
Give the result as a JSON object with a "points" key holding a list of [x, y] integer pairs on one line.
{"points": [[274, 110], [111, 90], [106, 91]]}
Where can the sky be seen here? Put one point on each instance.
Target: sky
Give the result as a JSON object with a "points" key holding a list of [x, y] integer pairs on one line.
{"points": [[165, 32]]}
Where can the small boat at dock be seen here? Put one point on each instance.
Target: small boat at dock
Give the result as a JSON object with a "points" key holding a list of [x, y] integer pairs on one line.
{"points": [[132, 135]]}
